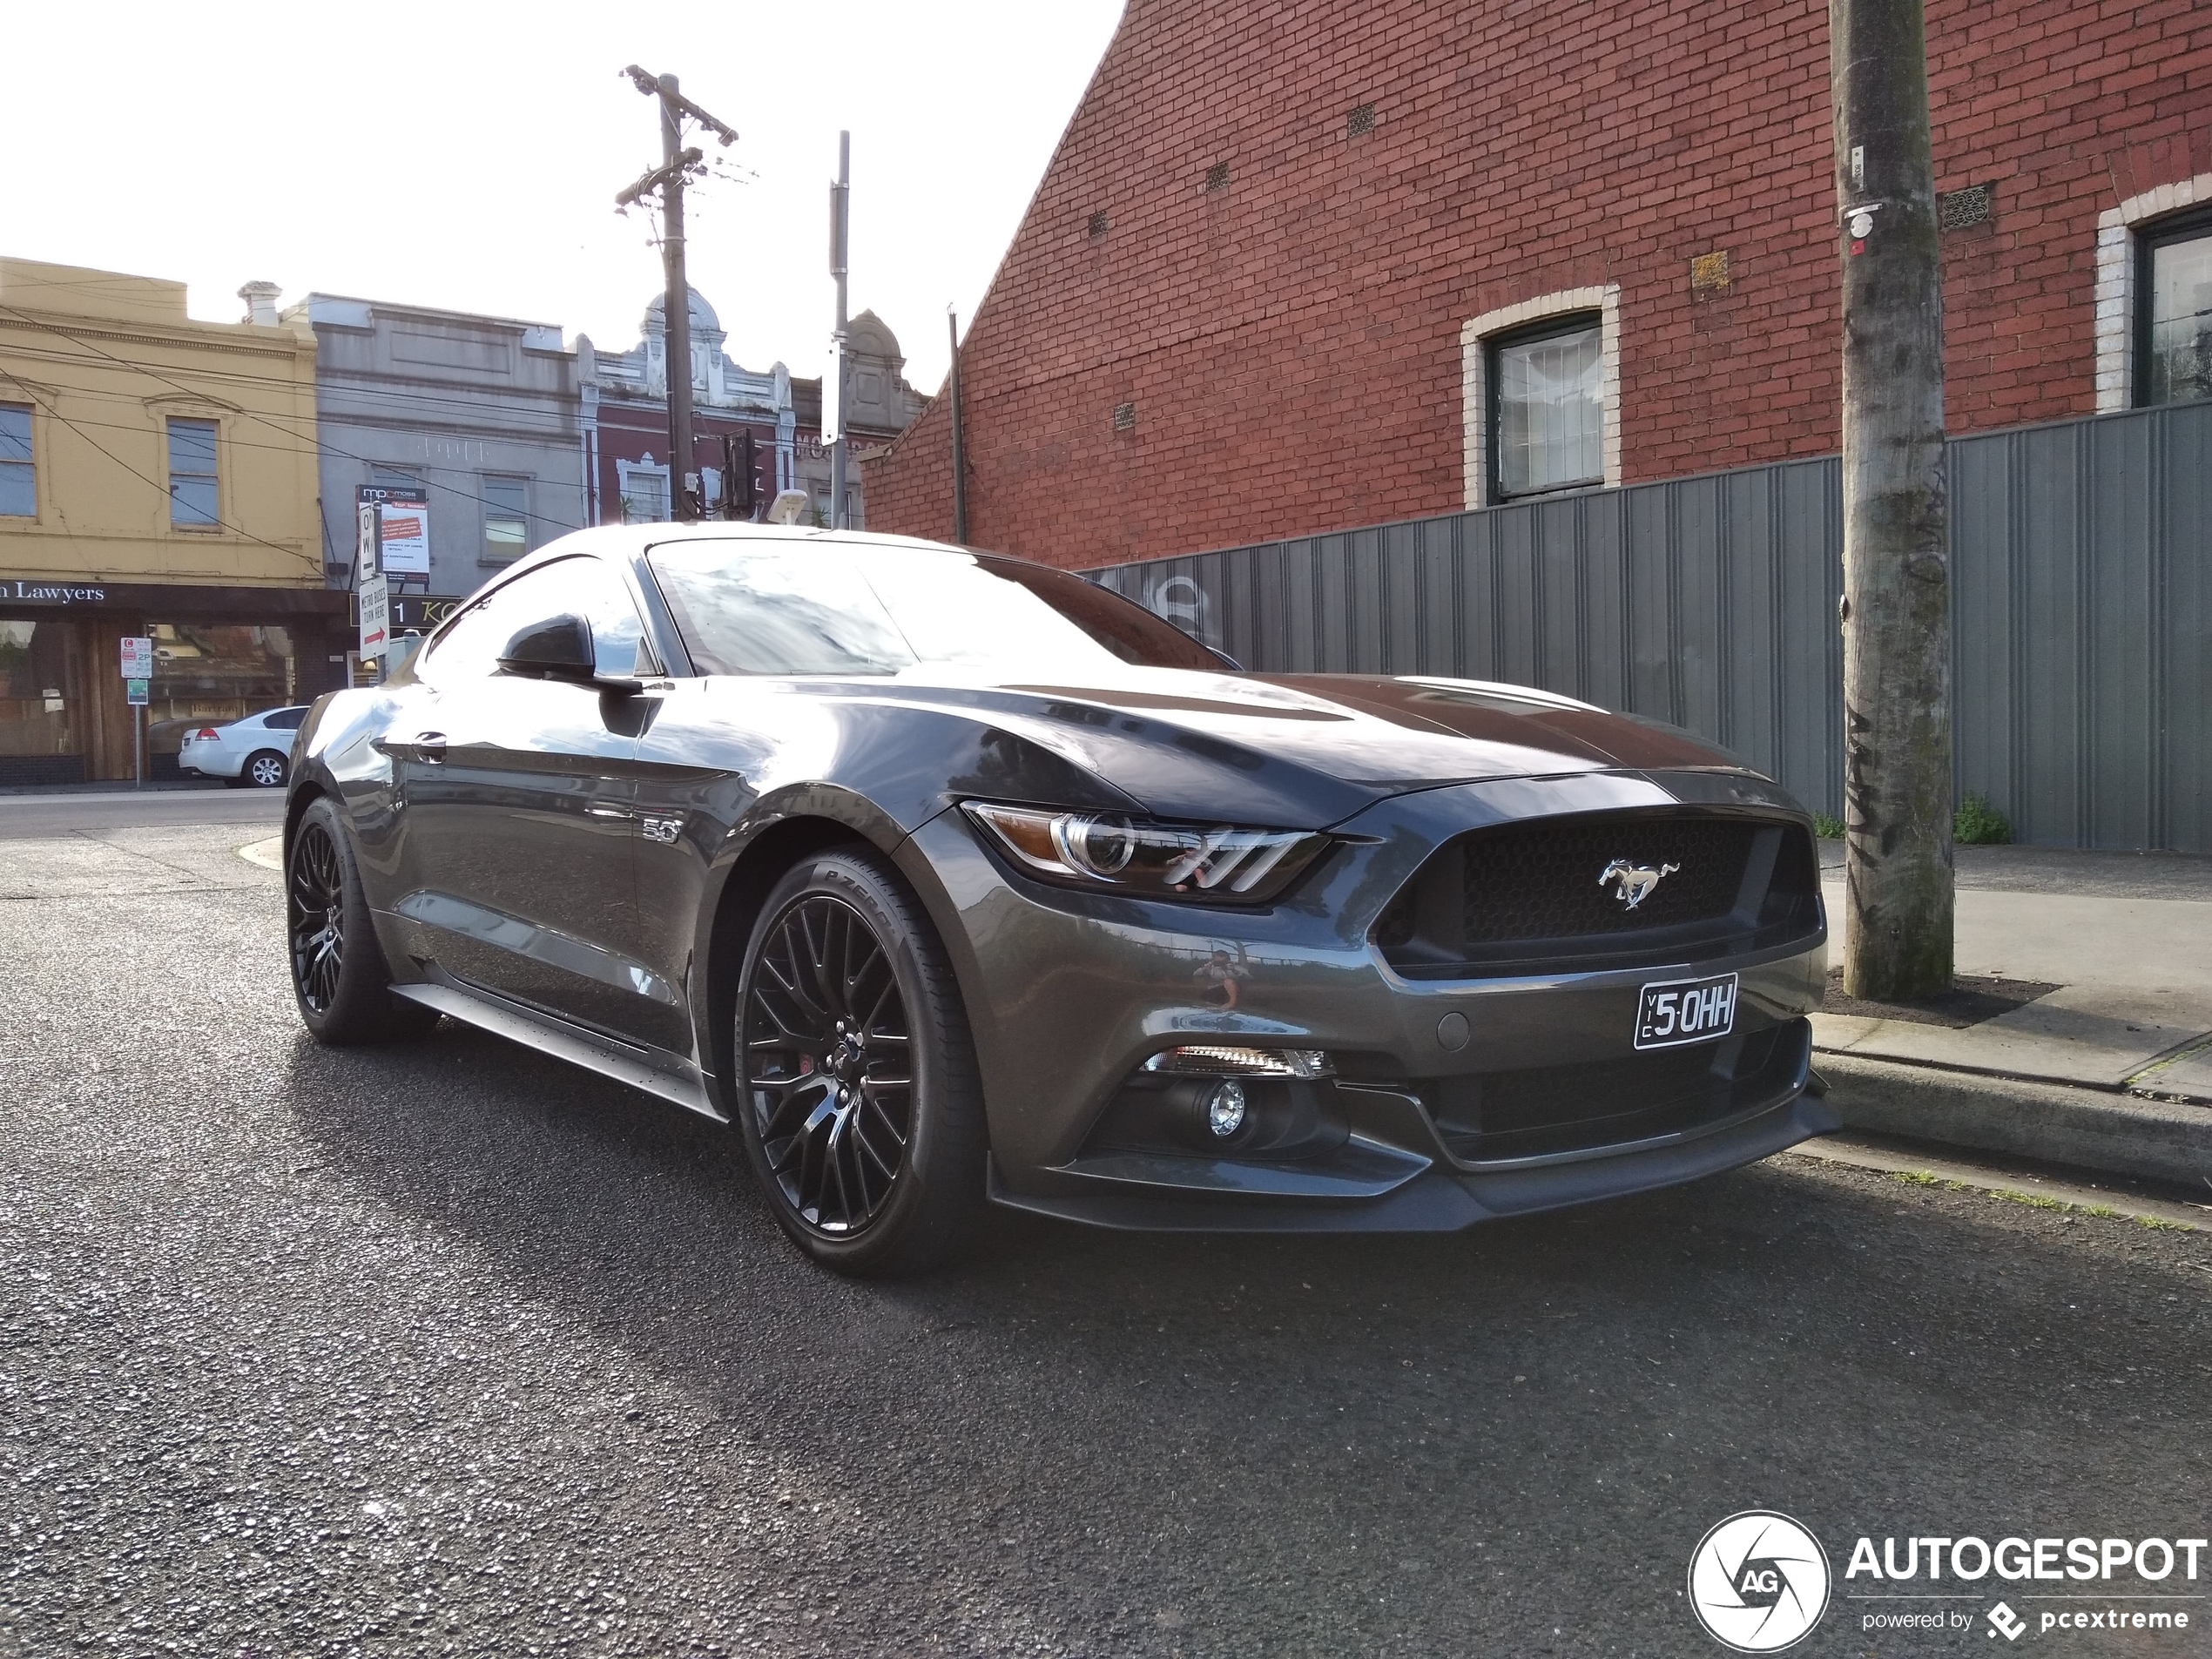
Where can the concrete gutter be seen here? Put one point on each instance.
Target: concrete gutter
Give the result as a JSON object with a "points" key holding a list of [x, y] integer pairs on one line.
{"points": [[2090, 1128]]}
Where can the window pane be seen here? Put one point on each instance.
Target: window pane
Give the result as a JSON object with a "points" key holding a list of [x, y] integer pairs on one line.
{"points": [[1551, 413], [192, 445], [507, 532], [839, 609], [192, 501], [393, 478], [584, 586], [645, 498], [15, 431], [2180, 368], [18, 490]]}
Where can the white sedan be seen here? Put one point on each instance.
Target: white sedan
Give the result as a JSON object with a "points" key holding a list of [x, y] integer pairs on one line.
{"points": [[256, 751]]}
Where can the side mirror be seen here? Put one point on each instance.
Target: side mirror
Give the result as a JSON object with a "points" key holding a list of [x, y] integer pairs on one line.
{"points": [[557, 649]]}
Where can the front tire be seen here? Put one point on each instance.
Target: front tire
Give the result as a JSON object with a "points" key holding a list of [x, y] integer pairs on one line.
{"points": [[339, 978], [857, 1091]]}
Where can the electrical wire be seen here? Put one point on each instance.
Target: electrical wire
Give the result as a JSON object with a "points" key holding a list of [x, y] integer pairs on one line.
{"points": [[160, 489]]}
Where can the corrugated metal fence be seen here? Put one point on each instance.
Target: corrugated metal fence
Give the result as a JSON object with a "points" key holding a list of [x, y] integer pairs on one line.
{"points": [[2082, 616]]}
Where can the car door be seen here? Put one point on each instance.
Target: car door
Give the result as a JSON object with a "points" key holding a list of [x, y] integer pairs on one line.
{"points": [[517, 792]]}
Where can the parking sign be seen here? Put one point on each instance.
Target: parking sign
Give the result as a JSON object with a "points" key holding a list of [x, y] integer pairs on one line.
{"points": [[138, 658]]}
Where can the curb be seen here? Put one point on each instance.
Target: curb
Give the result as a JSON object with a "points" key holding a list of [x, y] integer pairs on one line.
{"points": [[2118, 1134]]}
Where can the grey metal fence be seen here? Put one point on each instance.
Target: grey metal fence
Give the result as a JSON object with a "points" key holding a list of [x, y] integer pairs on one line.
{"points": [[2082, 616]]}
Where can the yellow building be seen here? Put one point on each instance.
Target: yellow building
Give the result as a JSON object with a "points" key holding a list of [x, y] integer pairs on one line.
{"points": [[158, 476]]}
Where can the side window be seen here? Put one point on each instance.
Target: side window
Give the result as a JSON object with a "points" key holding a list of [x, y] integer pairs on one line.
{"points": [[586, 586], [284, 719]]}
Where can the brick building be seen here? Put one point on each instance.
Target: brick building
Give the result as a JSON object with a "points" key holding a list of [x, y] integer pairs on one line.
{"points": [[1295, 267]]}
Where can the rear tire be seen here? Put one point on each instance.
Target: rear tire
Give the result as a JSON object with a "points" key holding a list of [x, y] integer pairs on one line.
{"points": [[265, 768], [339, 978], [857, 1095]]}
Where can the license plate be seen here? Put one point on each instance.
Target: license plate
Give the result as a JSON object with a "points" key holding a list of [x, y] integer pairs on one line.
{"points": [[1685, 1010]]}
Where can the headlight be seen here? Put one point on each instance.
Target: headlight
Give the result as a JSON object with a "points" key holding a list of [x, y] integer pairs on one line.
{"points": [[1224, 863]]}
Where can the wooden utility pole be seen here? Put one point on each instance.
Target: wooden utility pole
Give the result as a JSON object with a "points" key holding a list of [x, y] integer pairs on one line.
{"points": [[1896, 578], [677, 164]]}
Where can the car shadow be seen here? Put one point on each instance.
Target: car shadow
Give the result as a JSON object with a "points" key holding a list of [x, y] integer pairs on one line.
{"points": [[1209, 1415]]}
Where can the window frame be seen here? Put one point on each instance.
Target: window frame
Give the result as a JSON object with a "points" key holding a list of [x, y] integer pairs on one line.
{"points": [[1555, 325], [29, 463], [521, 516], [625, 470], [2191, 224], [214, 525]]}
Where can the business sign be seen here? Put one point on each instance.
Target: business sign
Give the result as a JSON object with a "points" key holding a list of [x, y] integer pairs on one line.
{"points": [[135, 692], [138, 656], [376, 617], [404, 528], [421, 612], [16, 591]]}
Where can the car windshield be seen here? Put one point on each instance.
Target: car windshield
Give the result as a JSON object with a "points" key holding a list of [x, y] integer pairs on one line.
{"points": [[848, 609]]}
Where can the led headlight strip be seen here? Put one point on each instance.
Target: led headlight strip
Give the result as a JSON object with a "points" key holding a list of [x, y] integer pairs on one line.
{"points": [[1150, 857]]}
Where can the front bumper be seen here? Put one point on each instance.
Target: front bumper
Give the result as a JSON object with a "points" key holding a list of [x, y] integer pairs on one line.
{"points": [[1069, 993]]}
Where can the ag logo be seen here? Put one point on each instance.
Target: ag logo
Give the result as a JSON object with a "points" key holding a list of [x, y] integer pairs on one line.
{"points": [[1758, 1581]]}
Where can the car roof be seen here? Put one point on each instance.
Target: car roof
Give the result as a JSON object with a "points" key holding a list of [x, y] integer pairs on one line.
{"points": [[629, 541]]}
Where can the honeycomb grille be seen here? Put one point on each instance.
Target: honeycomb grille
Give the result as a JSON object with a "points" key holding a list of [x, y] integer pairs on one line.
{"points": [[1540, 881]]}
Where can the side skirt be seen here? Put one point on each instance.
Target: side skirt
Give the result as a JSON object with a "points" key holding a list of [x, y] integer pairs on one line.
{"points": [[676, 1080]]}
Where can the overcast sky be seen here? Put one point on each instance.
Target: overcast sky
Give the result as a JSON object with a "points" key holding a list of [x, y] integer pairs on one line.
{"points": [[466, 155]]}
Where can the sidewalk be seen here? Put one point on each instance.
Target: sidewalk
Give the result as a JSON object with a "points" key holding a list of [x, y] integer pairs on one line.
{"points": [[2087, 1038]]}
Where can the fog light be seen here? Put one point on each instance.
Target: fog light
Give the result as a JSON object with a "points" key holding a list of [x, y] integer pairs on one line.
{"points": [[1226, 1108]]}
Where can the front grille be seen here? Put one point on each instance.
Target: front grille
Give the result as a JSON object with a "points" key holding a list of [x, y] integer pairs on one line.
{"points": [[1532, 897], [1540, 881], [1546, 1110]]}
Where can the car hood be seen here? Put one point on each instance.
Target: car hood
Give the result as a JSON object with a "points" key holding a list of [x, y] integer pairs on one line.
{"points": [[1300, 750]]}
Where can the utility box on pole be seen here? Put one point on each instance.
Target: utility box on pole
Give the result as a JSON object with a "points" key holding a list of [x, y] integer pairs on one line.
{"points": [[1896, 614]]}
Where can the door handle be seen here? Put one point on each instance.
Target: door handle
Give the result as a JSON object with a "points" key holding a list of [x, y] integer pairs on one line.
{"points": [[430, 746]]}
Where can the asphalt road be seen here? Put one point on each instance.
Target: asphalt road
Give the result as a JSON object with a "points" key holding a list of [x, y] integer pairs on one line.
{"points": [[91, 810], [450, 1349]]}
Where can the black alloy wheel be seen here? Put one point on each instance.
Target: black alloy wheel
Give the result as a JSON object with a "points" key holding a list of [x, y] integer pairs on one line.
{"points": [[266, 769], [829, 1053], [340, 977], [315, 916], [857, 1092]]}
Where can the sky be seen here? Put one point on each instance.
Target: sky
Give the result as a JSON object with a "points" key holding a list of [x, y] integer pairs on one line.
{"points": [[467, 154]]}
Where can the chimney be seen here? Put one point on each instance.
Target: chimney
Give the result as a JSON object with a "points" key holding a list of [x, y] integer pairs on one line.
{"points": [[261, 303]]}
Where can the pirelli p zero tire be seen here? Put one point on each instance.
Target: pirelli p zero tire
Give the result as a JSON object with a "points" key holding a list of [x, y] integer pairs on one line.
{"points": [[858, 1094], [339, 975]]}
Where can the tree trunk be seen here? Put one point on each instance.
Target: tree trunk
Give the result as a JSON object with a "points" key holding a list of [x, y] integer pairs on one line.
{"points": [[1896, 580]]}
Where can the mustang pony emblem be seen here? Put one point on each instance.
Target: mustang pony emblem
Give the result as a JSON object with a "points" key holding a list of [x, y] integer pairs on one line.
{"points": [[1633, 881]]}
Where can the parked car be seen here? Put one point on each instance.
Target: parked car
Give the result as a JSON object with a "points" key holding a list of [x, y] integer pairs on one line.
{"points": [[256, 751], [947, 879]]}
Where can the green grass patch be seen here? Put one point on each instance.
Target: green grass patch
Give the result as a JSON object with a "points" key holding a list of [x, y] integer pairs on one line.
{"points": [[1977, 824], [1827, 828]]}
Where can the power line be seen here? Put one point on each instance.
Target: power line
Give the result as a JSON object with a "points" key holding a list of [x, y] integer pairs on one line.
{"points": [[160, 489]]}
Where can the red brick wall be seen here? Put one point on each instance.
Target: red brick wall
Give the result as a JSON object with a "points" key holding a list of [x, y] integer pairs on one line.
{"points": [[1290, 341]]}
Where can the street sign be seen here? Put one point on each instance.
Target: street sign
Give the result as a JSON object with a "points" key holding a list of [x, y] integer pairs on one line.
{"points": [[365, 537], [376, 617], [138, 658], [134, 692]]}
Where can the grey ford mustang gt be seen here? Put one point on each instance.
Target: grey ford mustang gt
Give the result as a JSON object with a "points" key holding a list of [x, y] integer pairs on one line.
{"points": [[949, 878]]}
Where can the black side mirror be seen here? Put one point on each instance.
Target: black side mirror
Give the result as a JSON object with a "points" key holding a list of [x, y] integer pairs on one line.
{"points": [[557, 649]]}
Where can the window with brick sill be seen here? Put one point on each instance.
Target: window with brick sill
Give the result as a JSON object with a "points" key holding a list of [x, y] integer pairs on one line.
{"points": [[2173, 310], [1547, 415]]}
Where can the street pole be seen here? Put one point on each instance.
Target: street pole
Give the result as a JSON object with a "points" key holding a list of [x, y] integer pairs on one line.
{"points": [[677, 306], [841, 224], [1896, 616], [960, 456], [677, 164]]}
